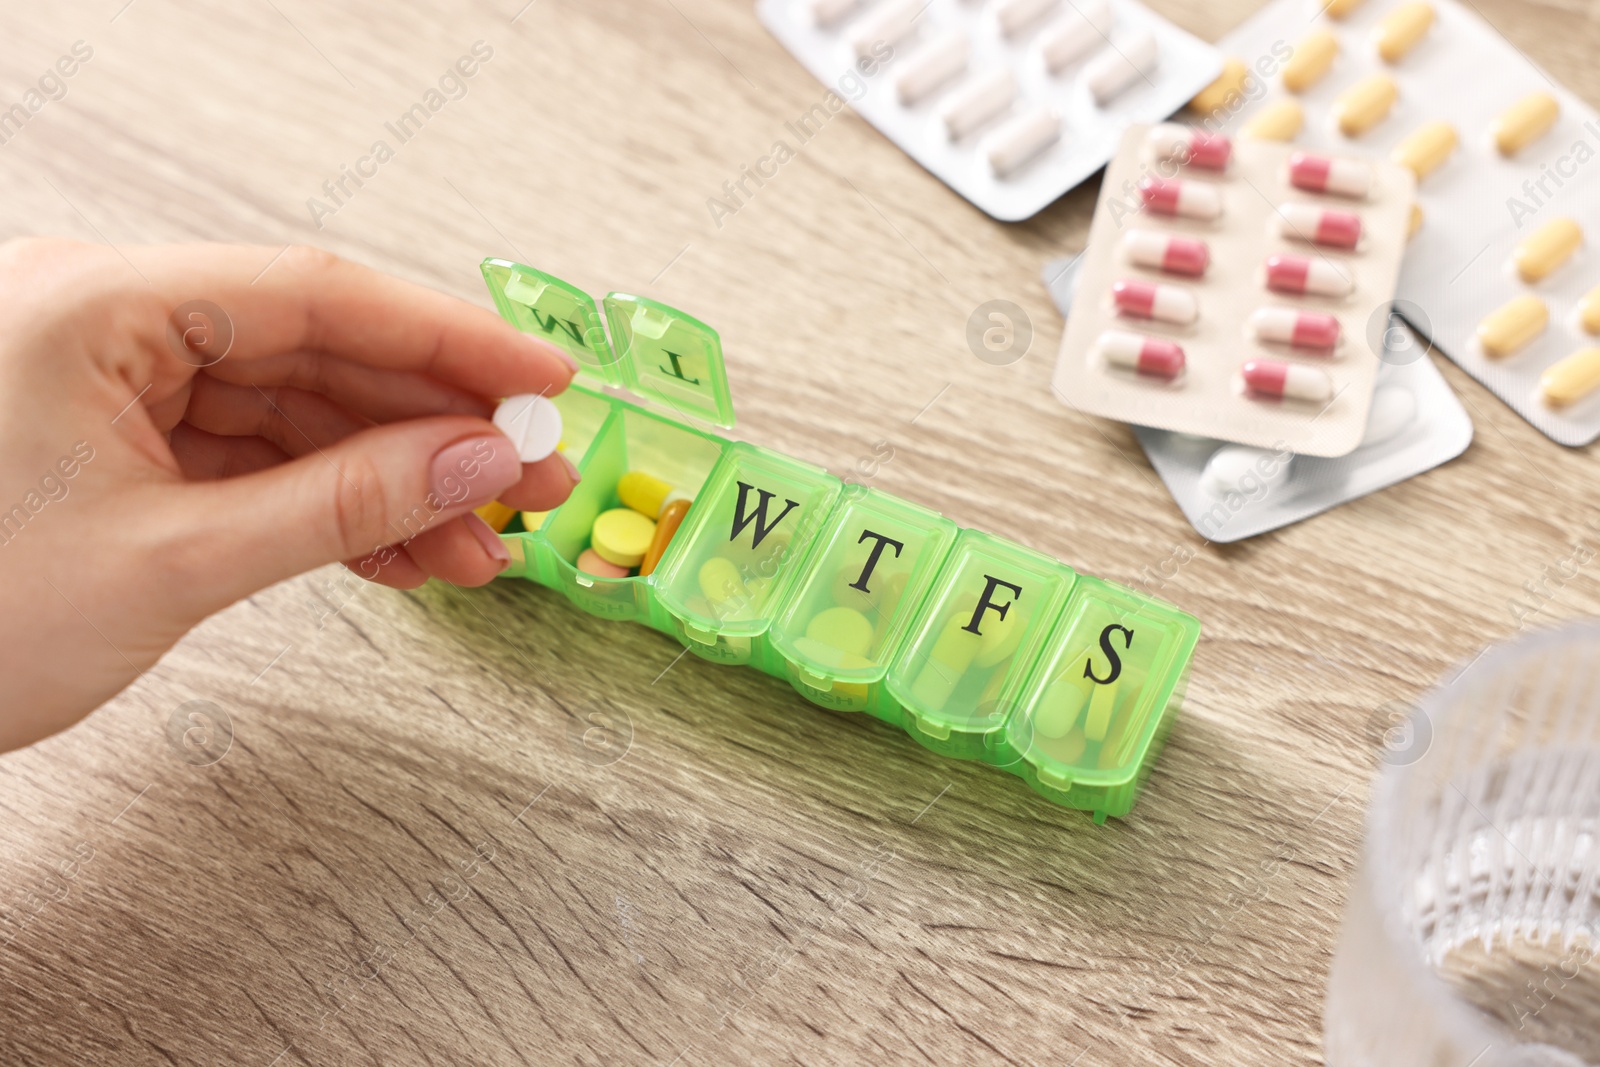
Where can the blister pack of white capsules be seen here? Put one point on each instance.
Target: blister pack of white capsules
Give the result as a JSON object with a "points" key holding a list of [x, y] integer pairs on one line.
{"points": [[1009, 102], [1230, 492], [1228, 290], [1497, 276]]}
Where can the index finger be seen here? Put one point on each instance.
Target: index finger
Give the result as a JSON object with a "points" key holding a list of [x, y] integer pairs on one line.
{"points": [[304, 298]]}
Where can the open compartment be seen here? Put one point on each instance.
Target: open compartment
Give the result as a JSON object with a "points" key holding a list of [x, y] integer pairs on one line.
{"points": [[739, 550], [1095, 710], [980, 630], [632, 440], [872, 566]]}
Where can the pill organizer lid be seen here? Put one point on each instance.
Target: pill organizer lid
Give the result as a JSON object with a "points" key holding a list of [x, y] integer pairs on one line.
{"points": [[655, 351], [670, 356]]}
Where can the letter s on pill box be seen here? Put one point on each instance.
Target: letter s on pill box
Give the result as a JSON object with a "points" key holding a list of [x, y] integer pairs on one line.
{"points": [[1009, 102], [1272, 266], [1504, 156]]}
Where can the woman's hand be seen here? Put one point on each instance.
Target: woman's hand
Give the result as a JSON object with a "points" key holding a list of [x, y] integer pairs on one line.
{"points": [[183, 426]]}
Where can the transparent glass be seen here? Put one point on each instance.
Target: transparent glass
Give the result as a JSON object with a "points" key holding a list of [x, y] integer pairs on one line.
{"points": [[1473, 926]]}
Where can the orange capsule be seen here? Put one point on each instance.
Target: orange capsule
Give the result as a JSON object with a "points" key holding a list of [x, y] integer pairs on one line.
{"points": [[667, 525]]}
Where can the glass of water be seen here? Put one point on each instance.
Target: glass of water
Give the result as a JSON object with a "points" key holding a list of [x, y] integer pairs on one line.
{"points": [[1472, 934]]}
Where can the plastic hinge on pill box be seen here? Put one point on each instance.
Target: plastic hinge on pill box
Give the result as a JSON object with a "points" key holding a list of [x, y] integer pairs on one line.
{"points": [[977, 647]]}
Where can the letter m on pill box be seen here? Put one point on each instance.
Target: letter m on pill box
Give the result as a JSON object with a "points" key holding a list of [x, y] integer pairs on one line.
{"points": [[655, 352]]}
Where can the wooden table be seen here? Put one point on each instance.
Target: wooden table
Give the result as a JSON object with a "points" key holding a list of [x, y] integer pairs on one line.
{"points": [[405, 857]]}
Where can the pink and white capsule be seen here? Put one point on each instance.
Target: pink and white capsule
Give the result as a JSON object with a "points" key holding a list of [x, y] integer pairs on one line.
{"points": [[1150, 356], [1303, 329], [1162, 251], [1192, 200], [1149, 300], [1305, 222], [1325, 174], [1189, 146], [1299, 275], [1274, 377]]}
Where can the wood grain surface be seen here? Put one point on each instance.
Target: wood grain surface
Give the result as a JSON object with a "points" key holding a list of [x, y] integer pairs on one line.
{"points": [[406, 854]]}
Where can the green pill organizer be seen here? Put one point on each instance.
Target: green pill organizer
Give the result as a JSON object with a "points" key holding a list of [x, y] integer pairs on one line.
{"points": [[977, 647]]}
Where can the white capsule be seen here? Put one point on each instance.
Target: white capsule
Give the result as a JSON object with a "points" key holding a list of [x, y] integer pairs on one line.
{"points": [[533, 423], [1023, 138], [1078, 33], [1394, 408], [829, 12], [944, 58], [1242, 469], [1017, 15], [981, 100], [890, 27], [1127, 61]]}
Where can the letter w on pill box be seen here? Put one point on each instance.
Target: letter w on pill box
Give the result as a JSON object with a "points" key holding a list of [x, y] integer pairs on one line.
{"points": [[864, 602]]}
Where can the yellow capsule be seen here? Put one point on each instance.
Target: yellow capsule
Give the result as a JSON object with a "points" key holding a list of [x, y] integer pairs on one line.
{"points": [[1059, 706], [1524, 122], [1414, 223], [1221, 93], [1101, 704], [1338, 9], [1573, 378], [1364, 104], [1311, 58], [532, 520], [646, 494], [1546, 248], [1278, 121], [1401, 29], [1428, 146], [1589, 311], [1512, 325]]}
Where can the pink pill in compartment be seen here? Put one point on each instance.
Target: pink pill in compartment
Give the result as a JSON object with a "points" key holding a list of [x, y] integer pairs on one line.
{"points": [[1162, 251], [1189, 146], [1151, 300], [1326, 174], [1150, 356], [1299, 275], [1192, 200], [1275, 378], [1304, 222], [1303, 329]]}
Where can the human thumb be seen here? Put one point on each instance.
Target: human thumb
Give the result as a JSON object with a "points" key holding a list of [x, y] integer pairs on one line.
{"points": [[380, 487]]}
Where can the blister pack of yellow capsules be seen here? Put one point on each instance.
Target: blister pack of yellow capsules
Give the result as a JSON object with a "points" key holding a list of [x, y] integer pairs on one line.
{"points": [[864, 602]]}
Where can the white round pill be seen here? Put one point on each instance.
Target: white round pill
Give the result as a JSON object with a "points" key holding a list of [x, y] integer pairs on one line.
{"points": [[1229, 467], [532, 422], [1394, 407]]}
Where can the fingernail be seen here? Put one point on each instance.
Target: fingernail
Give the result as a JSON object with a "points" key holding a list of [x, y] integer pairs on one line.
{"points": [[474, 471], [571, 470], [560, 353], [490, 541]]}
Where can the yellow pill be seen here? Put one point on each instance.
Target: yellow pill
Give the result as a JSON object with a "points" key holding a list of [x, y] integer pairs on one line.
{"points": [[1278, 121], [1000, 637], [1573, 378], [843, 628], [1119, 740], [622, 536], [1414, 223], [721, 582], [1546, 248], [532, 520], [1312, 57], [1512, 325], [1426, 148], [1338, 9], [646, 494], [829, 655], [1401, 29], [1060, 705], [495, 514], [1589, 311], [1524, 122], [947, 664], [1221, 93], [1364, 104], [1070, 748], [1101, 703]]}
